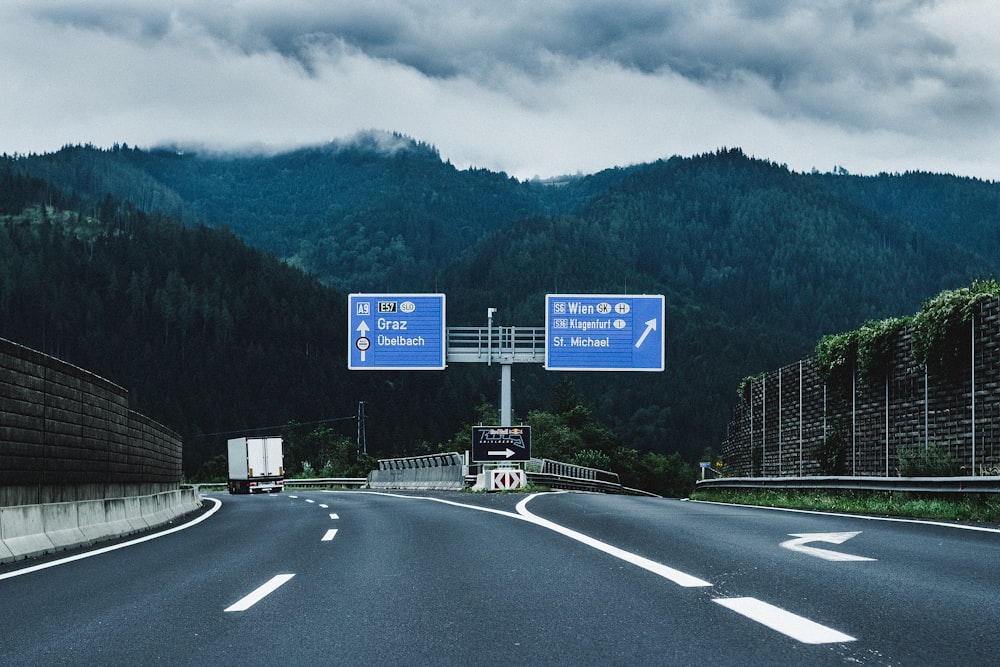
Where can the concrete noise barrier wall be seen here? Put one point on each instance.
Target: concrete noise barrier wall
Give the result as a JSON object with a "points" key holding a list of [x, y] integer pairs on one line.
{"points": [[27, 531], [436, 471], [69, 435], [793, 422]]}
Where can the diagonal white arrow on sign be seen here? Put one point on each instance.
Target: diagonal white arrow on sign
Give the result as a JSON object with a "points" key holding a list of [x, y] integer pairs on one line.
{"points": [[650, 326], [803, 539]]}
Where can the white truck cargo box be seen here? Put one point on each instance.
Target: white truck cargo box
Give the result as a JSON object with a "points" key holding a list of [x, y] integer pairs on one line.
{"points": [[256, 464]]}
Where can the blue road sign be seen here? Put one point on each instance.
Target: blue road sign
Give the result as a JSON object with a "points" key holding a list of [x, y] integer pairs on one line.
{"points": [[396, 332], [604, 332]]}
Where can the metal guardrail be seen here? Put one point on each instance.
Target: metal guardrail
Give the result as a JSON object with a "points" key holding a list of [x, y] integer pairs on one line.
{"points": [[987, 484], [542, 472], [318, 481], [328, 481], [578, 484], [572, 483], [557, 475], [556, 468]]}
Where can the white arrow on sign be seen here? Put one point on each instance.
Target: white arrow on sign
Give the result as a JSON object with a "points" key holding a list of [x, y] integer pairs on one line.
{"points": [[363, 329], [830, 538], [650, 326], [507, 453]]}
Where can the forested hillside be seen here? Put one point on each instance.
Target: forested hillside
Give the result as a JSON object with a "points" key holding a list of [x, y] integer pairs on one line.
{"points": [[128, 275], [361, 216], [207, 334]]}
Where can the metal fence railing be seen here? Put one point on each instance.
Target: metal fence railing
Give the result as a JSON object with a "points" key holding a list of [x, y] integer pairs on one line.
{"points": [[550, 467], [914, 484], [427, 461], [499, 344]]}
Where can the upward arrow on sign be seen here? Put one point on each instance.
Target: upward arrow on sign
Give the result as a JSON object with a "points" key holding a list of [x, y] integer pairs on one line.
{"points": [[363, 329]]}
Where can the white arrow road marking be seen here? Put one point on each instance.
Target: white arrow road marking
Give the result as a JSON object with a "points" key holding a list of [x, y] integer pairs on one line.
{"points": [[650, 326], [799, 545], [785, 622], [502, 452], [260, 593], [329, 535]]}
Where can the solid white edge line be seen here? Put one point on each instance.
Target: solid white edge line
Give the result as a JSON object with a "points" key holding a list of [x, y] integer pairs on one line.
{"points": [[104, 550], [785, 622], [260, 593], [329, 535], [676, 576]]}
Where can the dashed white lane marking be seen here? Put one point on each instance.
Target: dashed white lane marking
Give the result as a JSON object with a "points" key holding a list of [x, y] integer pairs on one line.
{"points": [[785, 622], [324, 506], [260, 593], [334, 516], [329, 535], [310, 500]]}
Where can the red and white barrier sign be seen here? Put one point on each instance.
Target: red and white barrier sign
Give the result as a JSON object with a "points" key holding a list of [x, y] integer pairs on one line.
{"points": [[507, 479]]}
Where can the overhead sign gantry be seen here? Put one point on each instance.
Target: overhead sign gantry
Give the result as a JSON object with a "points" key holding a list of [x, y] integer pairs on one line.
{"points": [[583, 332]]}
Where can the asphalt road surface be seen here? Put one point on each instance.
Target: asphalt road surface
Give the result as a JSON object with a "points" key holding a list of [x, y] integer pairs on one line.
{"points": [[369, 578]]}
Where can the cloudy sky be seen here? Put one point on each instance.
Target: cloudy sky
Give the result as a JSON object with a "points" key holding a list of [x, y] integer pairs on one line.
{"points": [[532, 87]]}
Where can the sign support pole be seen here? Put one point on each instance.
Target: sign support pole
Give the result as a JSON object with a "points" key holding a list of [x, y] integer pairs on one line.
{"points": [[505, 395]]}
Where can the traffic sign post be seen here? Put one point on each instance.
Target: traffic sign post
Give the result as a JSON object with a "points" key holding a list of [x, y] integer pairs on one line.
{"points": [[396, 332], [501, 443], [606, 332]]}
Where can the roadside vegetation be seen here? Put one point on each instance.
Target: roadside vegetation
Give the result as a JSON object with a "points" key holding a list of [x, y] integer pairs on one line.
{"points": [[981, 508], [569, 432]]}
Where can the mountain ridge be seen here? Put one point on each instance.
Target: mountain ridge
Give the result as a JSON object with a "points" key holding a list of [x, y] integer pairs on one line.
{"points": [[757, 263]]}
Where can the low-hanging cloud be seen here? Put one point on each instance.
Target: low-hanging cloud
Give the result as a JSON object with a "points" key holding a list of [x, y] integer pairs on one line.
{"points": [[796, 49], [886, 68]]}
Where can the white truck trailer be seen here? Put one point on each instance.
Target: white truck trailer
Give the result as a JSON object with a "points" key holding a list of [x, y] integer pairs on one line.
{"points": [[256, 464]]}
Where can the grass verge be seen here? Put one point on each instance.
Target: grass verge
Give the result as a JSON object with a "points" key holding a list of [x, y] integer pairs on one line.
{"points": [[983, 508]]}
